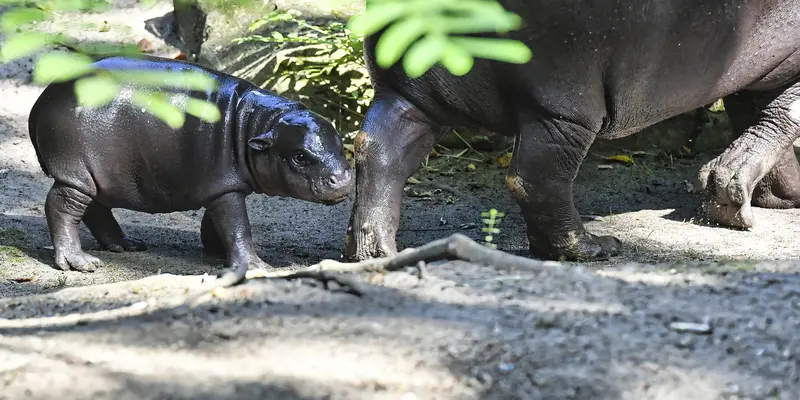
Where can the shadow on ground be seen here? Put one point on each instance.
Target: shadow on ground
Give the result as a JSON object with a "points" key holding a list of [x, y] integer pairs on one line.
{"points": [[464, 331]]}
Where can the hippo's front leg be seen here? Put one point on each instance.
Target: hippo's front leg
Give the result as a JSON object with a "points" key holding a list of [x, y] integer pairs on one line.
{"points": [[547, 156], [733, 180], [395, 137], [228, 215]]}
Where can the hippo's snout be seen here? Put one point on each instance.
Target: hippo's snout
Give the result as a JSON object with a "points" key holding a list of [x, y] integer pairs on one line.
{"points": [[342, 180], [336, 187]]}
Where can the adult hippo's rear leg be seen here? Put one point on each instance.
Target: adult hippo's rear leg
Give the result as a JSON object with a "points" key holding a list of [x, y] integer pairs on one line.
{"points": [[546, 158], [759, 168], [395, 137]]}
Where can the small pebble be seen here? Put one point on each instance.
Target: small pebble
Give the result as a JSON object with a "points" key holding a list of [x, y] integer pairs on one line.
{"points": [[691, 327], [505, 367]]}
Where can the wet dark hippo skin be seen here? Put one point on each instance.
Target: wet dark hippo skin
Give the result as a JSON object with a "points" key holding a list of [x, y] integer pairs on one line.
{"points": [[607, 69], [119, 156]]}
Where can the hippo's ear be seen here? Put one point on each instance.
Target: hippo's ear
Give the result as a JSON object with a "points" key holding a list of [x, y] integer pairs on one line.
{"points": [[261, 142]]}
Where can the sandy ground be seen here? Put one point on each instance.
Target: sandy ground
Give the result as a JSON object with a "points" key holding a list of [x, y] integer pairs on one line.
{"points": [[592, 331]]}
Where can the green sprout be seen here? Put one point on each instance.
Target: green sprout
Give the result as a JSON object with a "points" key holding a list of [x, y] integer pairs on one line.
{"points": [[490, 220]]}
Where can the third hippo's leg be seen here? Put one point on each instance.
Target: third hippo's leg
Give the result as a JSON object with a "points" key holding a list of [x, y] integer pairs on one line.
{"points": [[228, 214], [395, 137], [106, 230], [212, 242], [734, 178], [64, 209], [780, 188], [546, 158]]}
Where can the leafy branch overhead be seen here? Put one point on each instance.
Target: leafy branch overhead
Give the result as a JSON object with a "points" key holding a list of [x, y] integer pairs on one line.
{"points": [[96, 87], [420, 32], [426, 32]]}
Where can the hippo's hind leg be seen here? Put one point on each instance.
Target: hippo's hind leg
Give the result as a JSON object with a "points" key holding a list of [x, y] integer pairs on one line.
{"points": [[105, 228], [64, 209], [546, 158], [395, 137], [780, 188], [212, 242], [759, 167]]}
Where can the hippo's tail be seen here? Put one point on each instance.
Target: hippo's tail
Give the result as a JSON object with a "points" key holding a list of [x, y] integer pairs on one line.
{"points": [[32, 133]]}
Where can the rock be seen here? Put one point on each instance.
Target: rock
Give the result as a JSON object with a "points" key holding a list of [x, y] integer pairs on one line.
{"points": [[691, 327]]}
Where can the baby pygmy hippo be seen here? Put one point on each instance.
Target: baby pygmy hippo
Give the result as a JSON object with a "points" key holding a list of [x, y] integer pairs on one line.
{"points": [[120, 156]]}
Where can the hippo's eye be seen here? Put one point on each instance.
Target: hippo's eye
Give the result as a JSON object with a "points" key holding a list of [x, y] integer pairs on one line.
{"points": [[300, 158]]}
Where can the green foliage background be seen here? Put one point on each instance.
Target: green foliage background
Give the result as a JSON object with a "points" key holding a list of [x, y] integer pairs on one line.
{"points": [[419, 33]]}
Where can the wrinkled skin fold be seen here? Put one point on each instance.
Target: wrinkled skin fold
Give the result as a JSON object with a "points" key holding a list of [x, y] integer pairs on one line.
{"points": [[119, 156], [600, 69]]}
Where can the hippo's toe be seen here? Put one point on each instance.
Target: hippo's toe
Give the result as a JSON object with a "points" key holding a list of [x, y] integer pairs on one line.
{"points": [[78, 261], [576, 246], [126, 244], [133, 244]]}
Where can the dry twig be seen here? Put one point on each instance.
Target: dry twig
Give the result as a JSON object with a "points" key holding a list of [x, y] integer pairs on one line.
{"points": [[454, 247]]}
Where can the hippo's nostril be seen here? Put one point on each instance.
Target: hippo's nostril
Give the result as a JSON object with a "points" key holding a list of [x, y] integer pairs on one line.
{"points": [[340, 180]]}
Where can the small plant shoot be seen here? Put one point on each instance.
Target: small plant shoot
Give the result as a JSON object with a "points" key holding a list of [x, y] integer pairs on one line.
{"points": [[490, 220]]}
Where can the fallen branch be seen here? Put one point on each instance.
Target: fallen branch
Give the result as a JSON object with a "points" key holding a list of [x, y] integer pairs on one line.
{"points": [[453, 247]]}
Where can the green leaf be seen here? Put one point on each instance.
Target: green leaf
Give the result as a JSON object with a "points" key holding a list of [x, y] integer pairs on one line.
{"points": [[396, 39], [17, 17], [718, 106], [160, 107], [277, 35], [189, 80], [106, 48], [23, 44], [204, 110], [96, 91], [257, 24], [377, 17], [456, 59], [424, 54], [59, 66], [506, 50], [481, 23]]}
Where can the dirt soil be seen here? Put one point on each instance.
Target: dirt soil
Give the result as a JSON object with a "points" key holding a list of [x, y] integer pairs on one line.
{"points": [[590, 331]]}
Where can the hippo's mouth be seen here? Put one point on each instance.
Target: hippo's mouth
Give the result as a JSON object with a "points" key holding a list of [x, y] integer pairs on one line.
{"points": [[334, 200]]}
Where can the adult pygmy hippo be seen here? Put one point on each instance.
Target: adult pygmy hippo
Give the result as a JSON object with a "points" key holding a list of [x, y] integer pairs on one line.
{"points": [[119, 156], [605, 69]]}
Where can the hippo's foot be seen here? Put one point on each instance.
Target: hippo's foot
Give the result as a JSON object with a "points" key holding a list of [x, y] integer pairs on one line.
{"points": [[780, 188], [126, 244], [576, 246], [729, 182], [759, 168], [78, 261], [372, 238]]}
